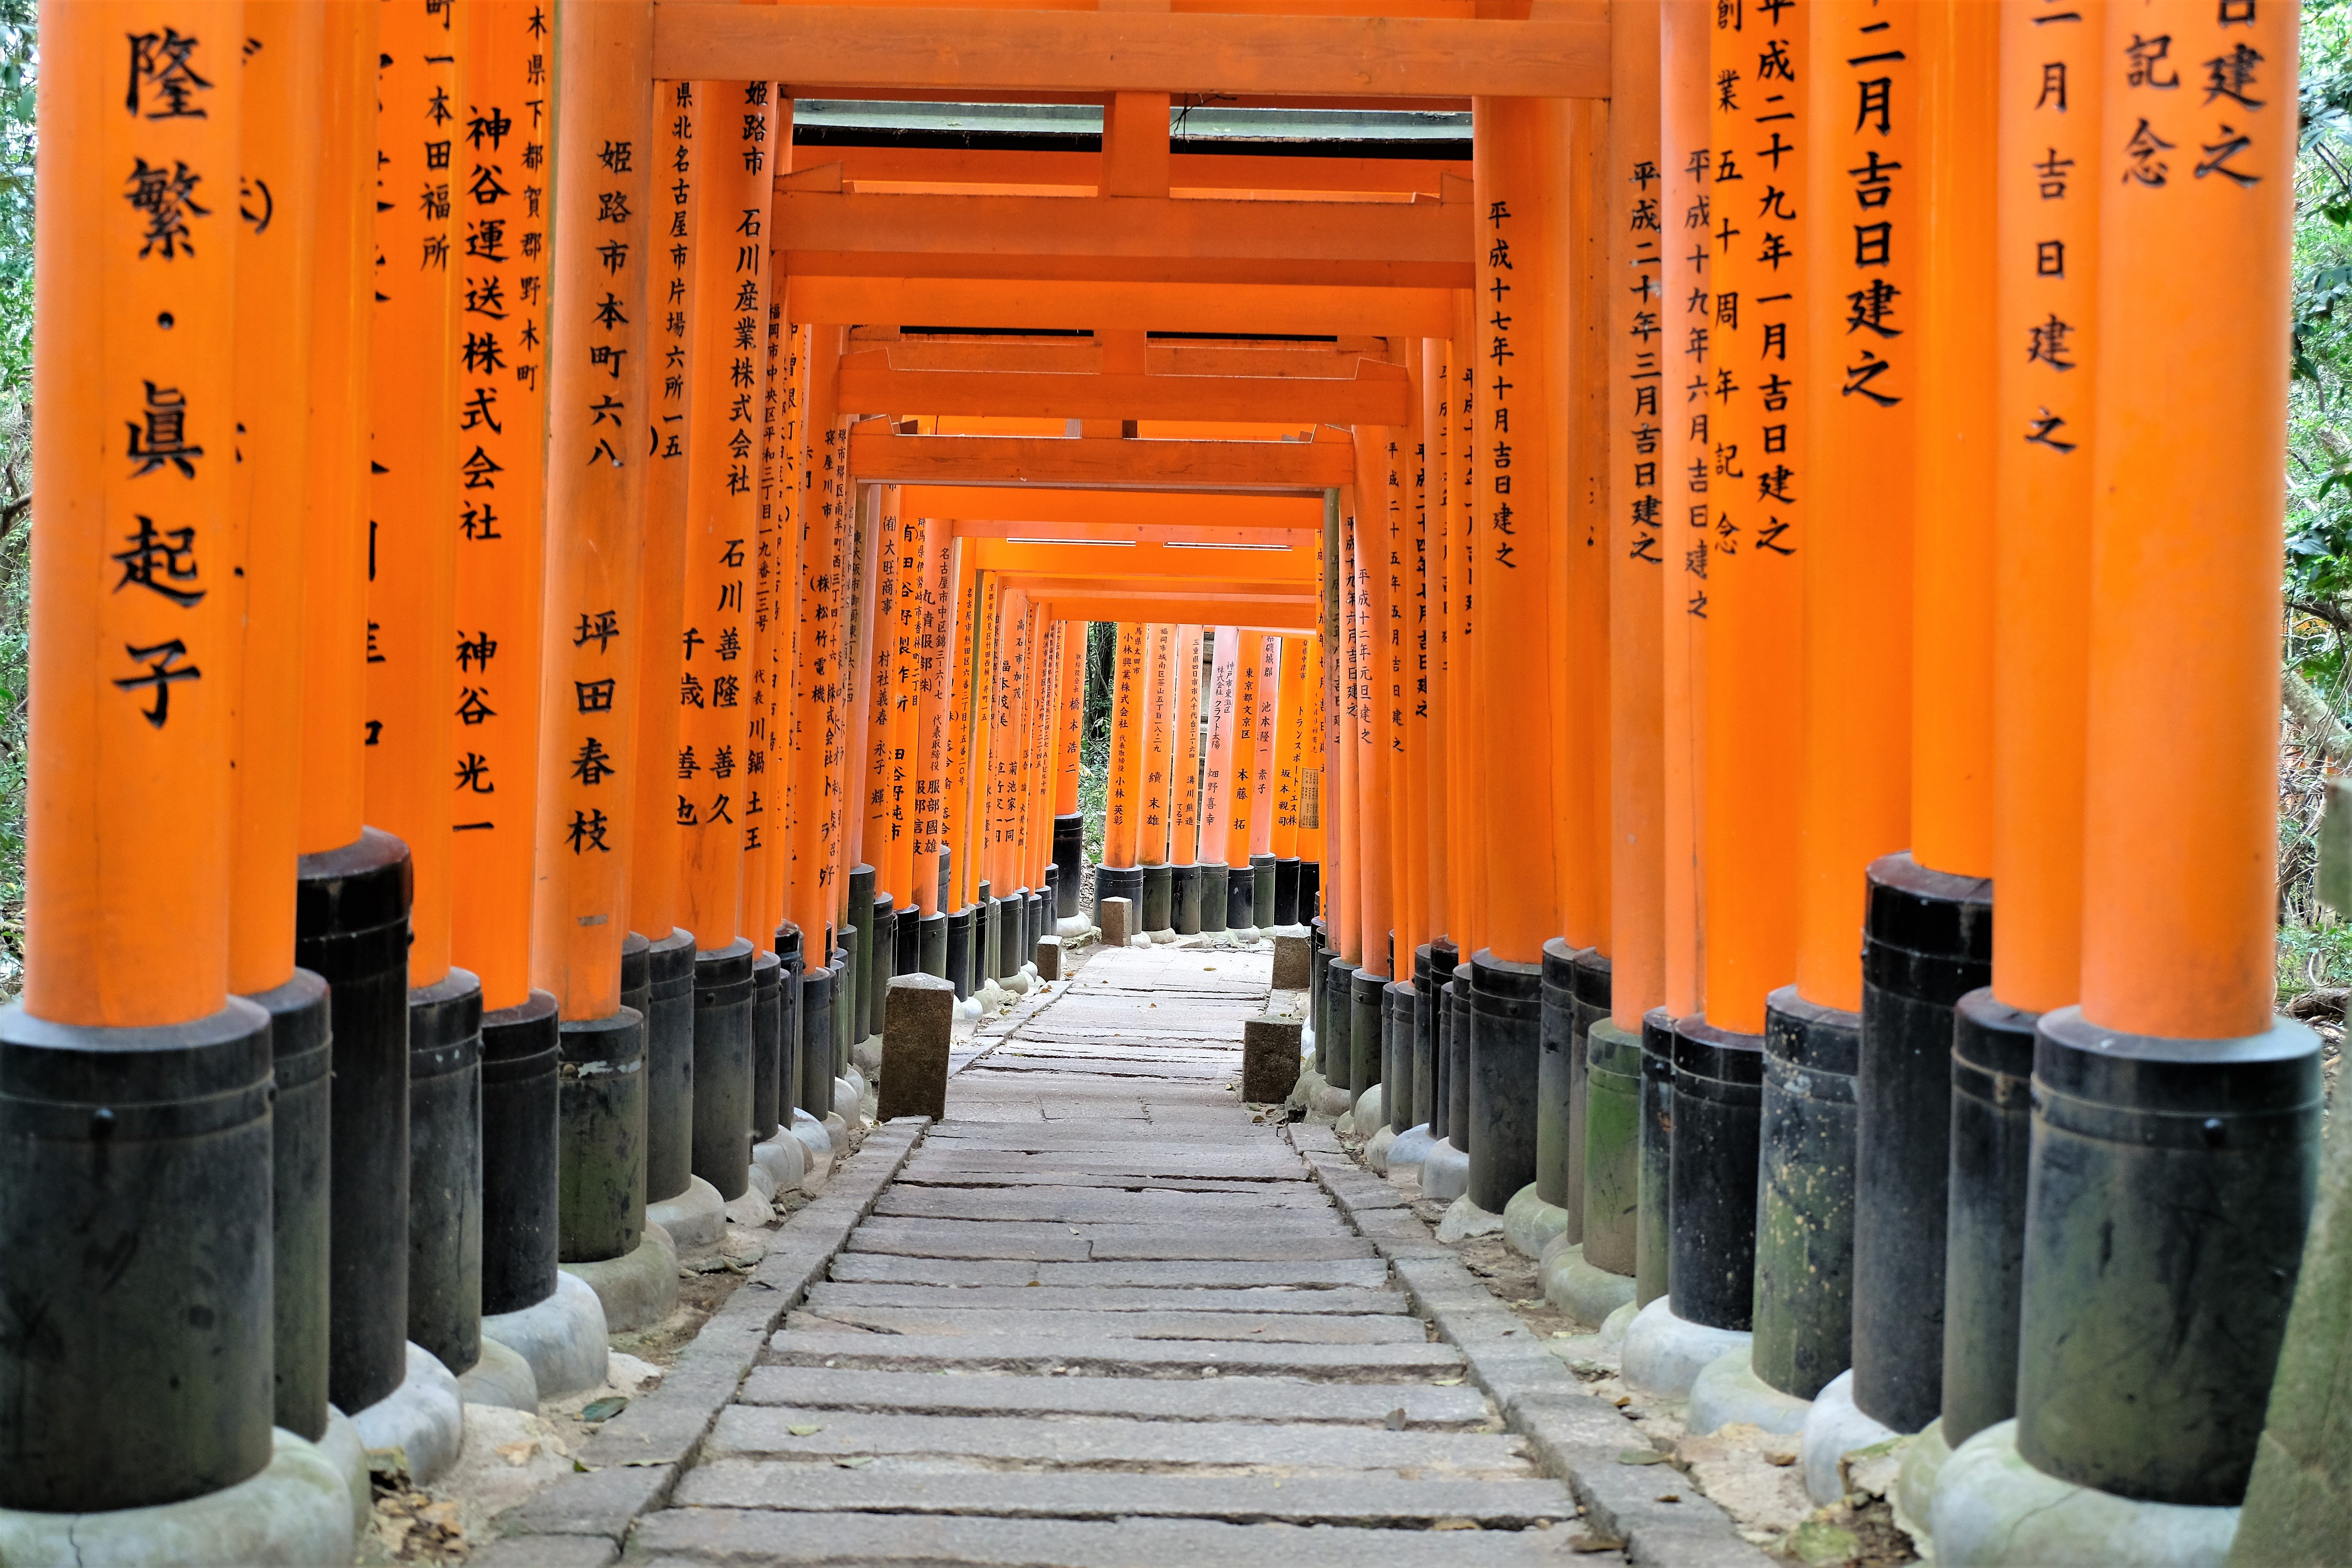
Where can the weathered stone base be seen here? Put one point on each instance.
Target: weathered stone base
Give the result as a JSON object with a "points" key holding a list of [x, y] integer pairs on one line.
{"points": [[1466, 1219], [1835, 1427], [424, 1417], [296, 1512], [1915, 1485], [786, 1160], [1727, 1391], [1992, 1509], [1665, 1355], [1444, 1172], [1529, 1224], [695, 1218], [1585, 1294], [1411, 1147], [341, 1445], [1376, 1152], [499, 1377], [637, 1290], [563, 1337]]}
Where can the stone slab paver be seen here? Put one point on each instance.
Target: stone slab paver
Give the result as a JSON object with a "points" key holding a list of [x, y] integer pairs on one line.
{"points": [[1414, 1404], [1103, 1316]]}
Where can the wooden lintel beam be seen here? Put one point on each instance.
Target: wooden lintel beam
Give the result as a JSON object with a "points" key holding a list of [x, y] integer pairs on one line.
{"points": [[1136, 239], [1194, 536], [1377, 395], [1290, 617], [1080, 171], [1175, 570], [878, 457], [1044, 509], [818, 51], [1241, 310]]}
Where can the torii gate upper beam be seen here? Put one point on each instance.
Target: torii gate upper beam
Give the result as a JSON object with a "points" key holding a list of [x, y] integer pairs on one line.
{"points": [[879, 457], [839, 51], [1378, 394]]}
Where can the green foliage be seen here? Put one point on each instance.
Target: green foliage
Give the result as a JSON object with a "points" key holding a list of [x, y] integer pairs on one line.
{"points": [[19, 63]]}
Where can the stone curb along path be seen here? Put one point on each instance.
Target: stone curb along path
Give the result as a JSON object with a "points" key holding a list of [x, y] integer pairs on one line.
{"points": [[1578, 1437], [636, 1459]]}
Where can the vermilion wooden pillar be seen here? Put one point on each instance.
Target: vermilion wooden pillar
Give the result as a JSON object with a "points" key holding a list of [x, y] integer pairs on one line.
{"points": [[1592, 282], [1121, 829], [1159, 655], [934, 638], [1266, 738], [1620, 1091], [1216, 775], [1433, 651], [1184, 812], [816, 716]]}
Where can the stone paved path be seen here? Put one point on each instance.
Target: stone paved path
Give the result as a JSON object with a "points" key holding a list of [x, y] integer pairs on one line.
{"points": [[1104, 1318]]}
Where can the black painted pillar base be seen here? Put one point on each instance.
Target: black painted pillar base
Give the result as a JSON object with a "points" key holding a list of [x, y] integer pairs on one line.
{"points": [[302, 1053], [817, 1037], [1804, 1211], [600, 1162], [1319, 963], [1310, 884], [1613, 1147], [849, 942], [990, 933], [1718, 1106], [669, 1066], [134, 1227], [1339, 1023], [1396, 1052], [1926, 941], [1557, 1070], [1505, 1052], [1363, 1006], [1285, 893], [1421, 1051], [956, 952], [1984, 1238], [861, 951], [2172, 1184], [445, 1169], [1241, 896], [351, 928], [1454, 1031], [790, 952], [1262, 879], [1120, 882], [1157, 911], [1184, 899], [931, 945], [1069, 860], [1654, 1233], [1053, 894], [884, 962], [907, 957], [767, 1044], [723, 1067], [1040, 924], [946, 875], [1215, 894], [522, 1122], [1589, 997]]}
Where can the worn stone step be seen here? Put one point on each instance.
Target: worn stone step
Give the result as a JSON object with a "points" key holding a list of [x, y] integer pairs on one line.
{"points": [[829, 1296], [1112, 1355], [1088, 1442], [890, 1268], [1140, 1398], [1081, 1205], [1385, 1503], [1273, 1241], [938, 1177], [1296, 1328]]}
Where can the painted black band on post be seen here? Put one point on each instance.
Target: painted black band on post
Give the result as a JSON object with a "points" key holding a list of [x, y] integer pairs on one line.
{"points": [[862, 904], [1241, 896], [669, 1066], [884, 963], [1310, 886], [1805, 1212], [1069, 859], [600, 1201], [1363, 1013], [2172, 1187], [522, 1119], [1653, 1253], [723, 1067], [1718, 1116], [1613, 1147], [1984, 1239], [816, 1041], [1158, 899], [787, 1032], [301, 1052], [767, 1044], [135, 1226], [1423, 1048], [351, 928], [1262, 881], [1505, 1055], [1184, 899], [1339, 1023], [1453, 1026], [1557, 1070], [907, 958], [1588, 994], [1927, 942], [957, 952], [1120, 882], [931, 945], [1215, 894], [1285, 893], [445, 1169], [1396, 1048]]}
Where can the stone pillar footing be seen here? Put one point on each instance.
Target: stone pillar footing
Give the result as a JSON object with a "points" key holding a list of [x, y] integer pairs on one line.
{"points": [[1444, 1172], [1992, 1508], [1665, 1355], [1835, 1427], [424, 1417], [636, 1289], [296, 1512], [1727, 1391], [696, 1218], [563, 1337]]}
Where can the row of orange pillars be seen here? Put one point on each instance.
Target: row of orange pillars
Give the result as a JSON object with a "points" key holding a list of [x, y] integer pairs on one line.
{"points": [[1860, 433]]}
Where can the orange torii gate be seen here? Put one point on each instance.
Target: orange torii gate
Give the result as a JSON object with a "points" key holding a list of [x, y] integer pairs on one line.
{"points": [[1627, 512]]}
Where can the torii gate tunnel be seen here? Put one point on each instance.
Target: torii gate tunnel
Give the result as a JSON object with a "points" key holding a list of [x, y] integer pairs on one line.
{"points": [[567, 532]]}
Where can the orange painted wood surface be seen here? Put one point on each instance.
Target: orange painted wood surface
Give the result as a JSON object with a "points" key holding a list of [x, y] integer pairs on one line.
{"points": [[877, 455], [869, 385], [1094, 305], [823, 51]]}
